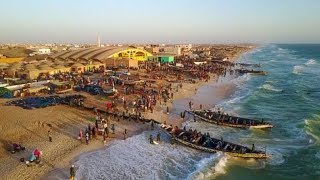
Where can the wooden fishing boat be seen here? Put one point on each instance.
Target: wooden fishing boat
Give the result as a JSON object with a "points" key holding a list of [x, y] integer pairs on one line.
{"points": [[256, 72], [234, 150], [222, 119]]}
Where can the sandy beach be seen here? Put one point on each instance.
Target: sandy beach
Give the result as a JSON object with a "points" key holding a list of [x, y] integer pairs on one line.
{"points": [[190, 92], [30, 127]]}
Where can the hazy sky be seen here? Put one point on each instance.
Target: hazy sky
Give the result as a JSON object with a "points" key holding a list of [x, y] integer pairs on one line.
{"points": [[155, 21]]}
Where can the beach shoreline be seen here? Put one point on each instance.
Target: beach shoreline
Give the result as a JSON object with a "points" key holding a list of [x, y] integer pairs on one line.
{"points": [[65, 142], [173, 118], [183, 96]]}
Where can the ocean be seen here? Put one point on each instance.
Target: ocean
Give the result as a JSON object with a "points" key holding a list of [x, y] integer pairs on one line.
{"points": [[289, 97]]}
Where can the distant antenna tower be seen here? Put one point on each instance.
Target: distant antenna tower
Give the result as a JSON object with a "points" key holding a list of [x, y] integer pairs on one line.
{"points": [[98, 40]]}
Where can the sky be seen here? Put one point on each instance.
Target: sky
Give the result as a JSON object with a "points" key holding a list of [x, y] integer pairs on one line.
{"points": [[160, 21]]}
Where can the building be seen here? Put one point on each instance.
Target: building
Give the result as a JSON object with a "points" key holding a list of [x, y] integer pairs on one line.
{"points": [[44, 51], [164, 58], [103, 53], [152, 50], [128, 63], [78, 61], [176, 50], [186, 47]]}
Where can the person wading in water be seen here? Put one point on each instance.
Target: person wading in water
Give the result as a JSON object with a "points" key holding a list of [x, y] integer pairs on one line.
{"points": [[151, 139], [158, 137]]}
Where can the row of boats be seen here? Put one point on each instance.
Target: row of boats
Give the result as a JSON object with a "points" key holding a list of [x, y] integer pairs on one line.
{"points": [[204, 142]]}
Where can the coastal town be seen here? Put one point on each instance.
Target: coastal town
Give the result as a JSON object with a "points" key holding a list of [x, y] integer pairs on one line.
{"points": [[62, 100], [159, 90]]}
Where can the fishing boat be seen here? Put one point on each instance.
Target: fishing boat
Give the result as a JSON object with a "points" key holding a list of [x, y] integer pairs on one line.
{"points": [[256, 72], [223, 119], [129, 82], [206, 143]]}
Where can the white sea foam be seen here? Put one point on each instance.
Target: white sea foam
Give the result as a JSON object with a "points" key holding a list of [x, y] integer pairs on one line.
{"points": [[311, 62], [269, 87], [221, 165], [312, 127], [233, 100], [218, 168], [276, 157], [297, 69], [136, 158]]}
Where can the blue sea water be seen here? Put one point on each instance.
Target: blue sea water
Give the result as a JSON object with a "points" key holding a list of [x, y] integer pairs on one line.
{"points": [[289, 97]]}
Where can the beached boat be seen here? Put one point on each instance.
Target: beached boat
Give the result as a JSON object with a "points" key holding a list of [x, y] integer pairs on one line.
{"points": [[224, 119], [111, 91], [208, 144], [129, 83]]}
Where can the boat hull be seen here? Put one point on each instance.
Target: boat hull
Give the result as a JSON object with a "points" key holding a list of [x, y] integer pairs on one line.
{"points": [[209, 150], [259, 126]]}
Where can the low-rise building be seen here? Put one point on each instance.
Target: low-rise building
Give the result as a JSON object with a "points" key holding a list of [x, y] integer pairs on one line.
{"points": [[164, 58], [44, 51]]}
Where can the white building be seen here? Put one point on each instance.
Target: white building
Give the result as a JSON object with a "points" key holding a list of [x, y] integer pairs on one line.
{"points": [[44, 51], [185, 46]]}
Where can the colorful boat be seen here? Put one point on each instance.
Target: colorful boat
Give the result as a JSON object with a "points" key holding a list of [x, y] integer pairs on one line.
{"points": [[223, 119], [208, 144]]}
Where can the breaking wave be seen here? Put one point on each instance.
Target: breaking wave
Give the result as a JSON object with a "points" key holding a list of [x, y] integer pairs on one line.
{"points": [[312, 127], [311, 62], [218, 169], [269, 87], [297, 69], [136, 158]]}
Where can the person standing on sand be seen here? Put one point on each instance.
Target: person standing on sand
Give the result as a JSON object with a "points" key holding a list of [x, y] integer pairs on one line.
{"points": [[96, 123], [49, 135], [113, 128], [190, 105], [80, 135], [72, 172], [125, 134], [94, 131], [87, 137]]}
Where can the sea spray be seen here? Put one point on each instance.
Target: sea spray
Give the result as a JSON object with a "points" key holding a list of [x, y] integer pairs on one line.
{"points": [[136, 157]]}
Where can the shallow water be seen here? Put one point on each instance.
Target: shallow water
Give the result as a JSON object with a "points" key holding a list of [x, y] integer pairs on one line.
{"points": [[289, 97]]}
